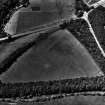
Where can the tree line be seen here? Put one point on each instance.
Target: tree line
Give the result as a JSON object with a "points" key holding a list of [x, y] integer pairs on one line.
{"points": [[31, 89]]}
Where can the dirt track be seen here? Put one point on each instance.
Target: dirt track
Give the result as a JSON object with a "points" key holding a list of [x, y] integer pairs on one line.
{"points": [[97, 20]]}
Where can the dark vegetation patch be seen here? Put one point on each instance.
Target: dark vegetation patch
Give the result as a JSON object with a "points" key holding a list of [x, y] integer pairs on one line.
{"points": [[31, 89]]}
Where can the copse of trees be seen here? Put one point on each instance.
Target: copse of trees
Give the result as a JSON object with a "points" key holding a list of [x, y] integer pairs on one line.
{"points": [[7, 8], [83, 84]]}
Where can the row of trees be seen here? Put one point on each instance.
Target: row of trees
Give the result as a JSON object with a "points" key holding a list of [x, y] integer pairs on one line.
{"points": [[31, 89]]}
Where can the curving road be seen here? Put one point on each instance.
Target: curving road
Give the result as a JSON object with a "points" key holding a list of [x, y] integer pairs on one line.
{"points": [[85, 17], [16, 48]]}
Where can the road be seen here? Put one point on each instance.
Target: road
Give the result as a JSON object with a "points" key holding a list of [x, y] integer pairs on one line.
{"points": [[85, 17], [96, 20]]}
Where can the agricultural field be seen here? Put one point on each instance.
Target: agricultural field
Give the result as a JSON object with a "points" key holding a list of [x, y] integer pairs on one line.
{"points": [[43, 61]]}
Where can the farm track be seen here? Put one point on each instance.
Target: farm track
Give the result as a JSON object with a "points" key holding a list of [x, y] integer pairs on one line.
{"points": [[37, 29]]}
